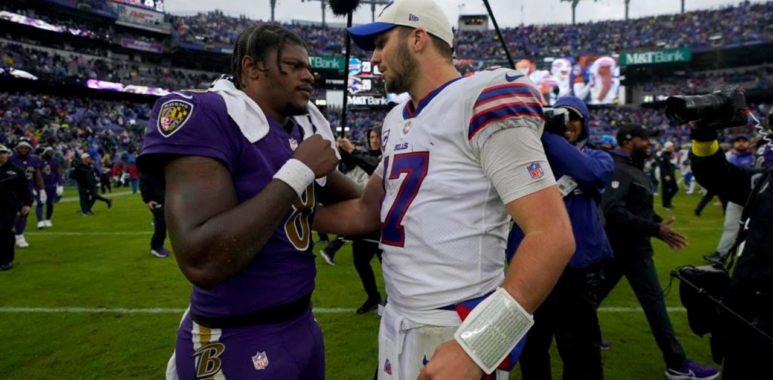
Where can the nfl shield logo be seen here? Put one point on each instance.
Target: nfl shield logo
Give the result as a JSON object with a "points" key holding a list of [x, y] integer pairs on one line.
{"points": [[406, 127], [388, 367], [293, 143], [260, 360], [535, 170]]}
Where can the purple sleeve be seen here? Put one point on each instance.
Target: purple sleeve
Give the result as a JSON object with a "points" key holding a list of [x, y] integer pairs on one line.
{"points": [[195, 125]]}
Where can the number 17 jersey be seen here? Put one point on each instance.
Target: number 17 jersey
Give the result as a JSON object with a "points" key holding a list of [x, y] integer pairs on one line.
{"points": [[443, 224]]}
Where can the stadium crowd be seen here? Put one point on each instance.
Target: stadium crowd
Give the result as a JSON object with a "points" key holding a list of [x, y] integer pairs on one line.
{"points": [[69, 123], [736, 25], [73, 126]]}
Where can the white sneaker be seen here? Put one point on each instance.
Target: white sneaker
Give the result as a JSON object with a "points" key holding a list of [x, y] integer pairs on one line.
{"points": [[48, 223], [41, 224], [21, 242]]}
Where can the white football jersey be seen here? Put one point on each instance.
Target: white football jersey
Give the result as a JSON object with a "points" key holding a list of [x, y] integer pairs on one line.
{"points": [[443, 225]]}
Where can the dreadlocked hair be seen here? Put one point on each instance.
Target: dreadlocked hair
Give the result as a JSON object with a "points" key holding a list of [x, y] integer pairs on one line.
{"points": [[256, 42]]}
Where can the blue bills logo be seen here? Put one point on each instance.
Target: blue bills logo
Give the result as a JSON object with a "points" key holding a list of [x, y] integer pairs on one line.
{"points": [[535, 170], [384, 139], [172, 116], [260, 360]]}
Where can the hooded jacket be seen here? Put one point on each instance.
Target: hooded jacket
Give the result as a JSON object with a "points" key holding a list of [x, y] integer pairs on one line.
{"points": [[591, 170]]}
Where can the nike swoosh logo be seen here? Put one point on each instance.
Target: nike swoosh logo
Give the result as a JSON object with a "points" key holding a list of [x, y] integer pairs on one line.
{"points": [[512, 78]]}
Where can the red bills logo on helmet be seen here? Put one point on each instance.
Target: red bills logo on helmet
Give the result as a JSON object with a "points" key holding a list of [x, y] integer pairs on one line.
{"points": [[535, 170]]}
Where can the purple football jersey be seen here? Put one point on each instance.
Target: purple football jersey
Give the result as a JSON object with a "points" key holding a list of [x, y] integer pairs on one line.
{"points": [[29, 163], [50, 172], [197, 124]]}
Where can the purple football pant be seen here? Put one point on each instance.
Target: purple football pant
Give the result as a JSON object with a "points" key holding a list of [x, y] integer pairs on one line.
{"points": [[21, 224], [288, 350]]}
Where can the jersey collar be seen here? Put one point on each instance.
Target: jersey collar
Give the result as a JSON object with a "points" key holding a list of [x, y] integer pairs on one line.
{"points": [[410, 112]]}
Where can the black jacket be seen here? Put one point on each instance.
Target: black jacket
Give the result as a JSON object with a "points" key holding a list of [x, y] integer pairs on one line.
{"points": [[14, 190], [628, 208], [754, 189], [151, 190], [366, 160], [84, 174], [750, 293], [667, 168]]}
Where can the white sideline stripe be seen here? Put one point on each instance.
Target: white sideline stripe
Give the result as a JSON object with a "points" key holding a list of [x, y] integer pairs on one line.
{"points": [[108, 195], [318, 310], [89, 233]]}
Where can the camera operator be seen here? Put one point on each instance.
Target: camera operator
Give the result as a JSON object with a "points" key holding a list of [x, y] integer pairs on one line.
{"points": [[569, 312], [747, 352], [364, 247]]}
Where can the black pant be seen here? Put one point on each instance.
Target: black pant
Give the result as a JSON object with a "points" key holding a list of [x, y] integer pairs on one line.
{"points": [[705, 200], [88, 196], [104, 182], [639, 269], [363, 252], [569, 314], [159, 228], [7, 240], [669, 189], [747, 352]]}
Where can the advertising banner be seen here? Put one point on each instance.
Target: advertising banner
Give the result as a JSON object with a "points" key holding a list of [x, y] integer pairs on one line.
{"points": [[152, 47], [655, 57]]}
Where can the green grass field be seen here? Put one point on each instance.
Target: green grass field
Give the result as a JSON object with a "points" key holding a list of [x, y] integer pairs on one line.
{"points": [[88, 301]]}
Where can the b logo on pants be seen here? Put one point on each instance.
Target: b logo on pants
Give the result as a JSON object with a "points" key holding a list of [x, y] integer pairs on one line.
{"points": [[208, 360]]}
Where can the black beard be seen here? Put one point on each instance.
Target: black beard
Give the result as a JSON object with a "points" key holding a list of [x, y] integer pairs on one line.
{"points": [[639, 156], [291, 109]]}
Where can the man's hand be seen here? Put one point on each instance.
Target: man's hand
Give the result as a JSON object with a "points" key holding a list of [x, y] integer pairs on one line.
{"points": [[317, 153], [667, 178], [59, 190], [152, 204], [449, 361], [43, 196], [25, 210], [345, 145], [674, 239]]}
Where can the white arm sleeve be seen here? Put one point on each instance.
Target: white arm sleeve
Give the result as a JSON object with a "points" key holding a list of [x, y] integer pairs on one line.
{"points": [[514, 160]]}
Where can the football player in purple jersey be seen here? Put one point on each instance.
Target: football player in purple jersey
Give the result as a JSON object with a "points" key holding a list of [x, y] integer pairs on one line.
{"points": [[31, 164], [244, 166], [52, 180]]}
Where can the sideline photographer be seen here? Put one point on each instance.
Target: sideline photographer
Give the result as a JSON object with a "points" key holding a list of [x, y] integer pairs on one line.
{"points": [[746, 348]]}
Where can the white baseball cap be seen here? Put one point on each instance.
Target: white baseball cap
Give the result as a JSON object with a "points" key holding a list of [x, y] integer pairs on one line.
{"points": [[425, 14]]}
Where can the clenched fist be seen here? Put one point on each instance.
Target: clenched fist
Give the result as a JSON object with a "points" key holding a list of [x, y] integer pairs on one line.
{"points": [[318, 154]]}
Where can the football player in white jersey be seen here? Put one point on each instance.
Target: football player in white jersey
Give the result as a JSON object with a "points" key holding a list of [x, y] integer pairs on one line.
{"points": [[461, 157], [561, 69], [605, 80]]}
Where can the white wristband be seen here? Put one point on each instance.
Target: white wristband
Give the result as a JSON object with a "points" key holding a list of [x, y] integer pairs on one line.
{"points": [[492, 329], [296, 174]]}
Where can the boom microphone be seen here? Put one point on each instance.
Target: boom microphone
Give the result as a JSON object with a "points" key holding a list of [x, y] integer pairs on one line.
{"points": [[343, 7]]}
